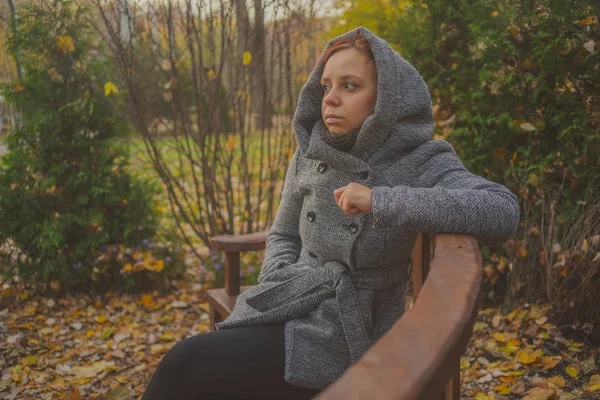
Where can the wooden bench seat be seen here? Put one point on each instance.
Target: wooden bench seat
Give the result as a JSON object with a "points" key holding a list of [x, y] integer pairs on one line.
{"points": [[419, 357]]}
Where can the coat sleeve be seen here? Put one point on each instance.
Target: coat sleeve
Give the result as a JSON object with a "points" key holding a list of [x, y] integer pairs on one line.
{"points": [[283, 242], [447, 198]]}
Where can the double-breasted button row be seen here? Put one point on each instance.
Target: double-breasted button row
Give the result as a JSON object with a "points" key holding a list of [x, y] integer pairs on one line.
{"points": [[310, 216], [364, 175], [322, 167]]}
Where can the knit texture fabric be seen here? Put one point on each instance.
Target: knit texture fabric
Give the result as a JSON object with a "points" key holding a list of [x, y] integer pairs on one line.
{"points": [[340, 141], [339, 280]]}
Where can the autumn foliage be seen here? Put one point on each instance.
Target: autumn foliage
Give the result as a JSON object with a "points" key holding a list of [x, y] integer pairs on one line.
{"points": [[66, 198]]}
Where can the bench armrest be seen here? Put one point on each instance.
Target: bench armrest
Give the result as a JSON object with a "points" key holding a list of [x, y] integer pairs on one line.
{"points": [[239, 243], [420, 353]]}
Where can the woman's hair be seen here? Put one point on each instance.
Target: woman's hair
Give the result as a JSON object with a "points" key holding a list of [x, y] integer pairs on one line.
{"points": [[358, 43]]}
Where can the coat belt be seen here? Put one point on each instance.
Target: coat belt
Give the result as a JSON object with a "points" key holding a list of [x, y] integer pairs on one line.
{"points": [[333, 279]]}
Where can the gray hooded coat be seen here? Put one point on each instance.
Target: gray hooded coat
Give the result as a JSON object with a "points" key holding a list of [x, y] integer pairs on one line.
{"points": [[338, 281]]}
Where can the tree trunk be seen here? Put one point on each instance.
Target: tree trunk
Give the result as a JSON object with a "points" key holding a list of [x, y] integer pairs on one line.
{"points": [[261, 105]]}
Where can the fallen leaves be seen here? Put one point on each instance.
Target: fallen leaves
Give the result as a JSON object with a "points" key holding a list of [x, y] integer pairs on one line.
{"points": [[95, 348], [521, 355]]}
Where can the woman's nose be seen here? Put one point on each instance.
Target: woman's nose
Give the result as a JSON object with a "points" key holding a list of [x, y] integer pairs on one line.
{"points": [[331, 99]]}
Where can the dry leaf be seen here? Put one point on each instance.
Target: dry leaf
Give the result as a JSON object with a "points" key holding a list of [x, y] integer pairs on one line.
{"points": [[540, 394], [572, 371], [89, 371], [558, 381], [529, 127], [589, 46], [526, 356], [587, 21], [75, 395]]}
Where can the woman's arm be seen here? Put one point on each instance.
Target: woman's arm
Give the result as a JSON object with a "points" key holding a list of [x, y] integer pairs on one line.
{"points": [[283, 242], [448, 198]]}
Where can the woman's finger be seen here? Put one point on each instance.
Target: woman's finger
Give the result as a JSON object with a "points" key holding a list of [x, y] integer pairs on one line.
{"points": [[338, 193]]}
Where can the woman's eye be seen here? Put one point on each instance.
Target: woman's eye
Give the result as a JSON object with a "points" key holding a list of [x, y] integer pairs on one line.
{"points": [[326, 87], [350, 86]]}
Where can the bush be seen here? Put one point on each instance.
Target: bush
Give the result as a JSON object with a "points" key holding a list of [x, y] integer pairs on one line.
{"points": [[514, 86], [64, 189]]}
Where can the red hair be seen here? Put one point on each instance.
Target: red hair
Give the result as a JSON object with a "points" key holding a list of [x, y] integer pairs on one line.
{"points": [[358, 42]]}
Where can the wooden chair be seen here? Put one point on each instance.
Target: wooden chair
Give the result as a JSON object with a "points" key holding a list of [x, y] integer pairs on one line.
{"points": [[419, 357]]}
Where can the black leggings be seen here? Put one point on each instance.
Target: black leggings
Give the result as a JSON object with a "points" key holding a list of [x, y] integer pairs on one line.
{"points": [[242, 363]]}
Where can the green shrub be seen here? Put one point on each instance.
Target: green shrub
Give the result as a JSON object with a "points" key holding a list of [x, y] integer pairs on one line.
{"points": [[515, 89], [64, 189]]}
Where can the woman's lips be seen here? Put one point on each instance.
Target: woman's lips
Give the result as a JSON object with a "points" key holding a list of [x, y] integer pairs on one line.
{"points": [[332, 120]]}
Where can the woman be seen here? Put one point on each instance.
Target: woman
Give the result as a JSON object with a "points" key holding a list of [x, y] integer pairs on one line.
{"points": [[363, 181]]}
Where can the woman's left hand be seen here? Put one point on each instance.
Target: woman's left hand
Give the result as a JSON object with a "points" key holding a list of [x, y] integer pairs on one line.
{"points": [[353, 199]]}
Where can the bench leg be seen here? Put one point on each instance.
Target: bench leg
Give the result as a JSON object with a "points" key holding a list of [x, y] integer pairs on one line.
{"points": [[452, 391], [215, 317]]}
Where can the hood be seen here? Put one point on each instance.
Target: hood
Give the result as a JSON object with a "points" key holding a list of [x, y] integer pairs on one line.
{"points": [[403, 117]]}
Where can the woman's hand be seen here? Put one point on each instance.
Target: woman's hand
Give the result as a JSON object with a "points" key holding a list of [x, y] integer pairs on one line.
{"points": [[353, 199]]}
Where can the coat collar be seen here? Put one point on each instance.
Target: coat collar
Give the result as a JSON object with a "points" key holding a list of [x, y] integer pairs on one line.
{"points": [[402, 120]]}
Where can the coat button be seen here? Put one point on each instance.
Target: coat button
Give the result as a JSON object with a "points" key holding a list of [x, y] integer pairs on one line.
{"points": [[310, 216], [364, 175], [322, 167], [313, 255], [353, 228]]}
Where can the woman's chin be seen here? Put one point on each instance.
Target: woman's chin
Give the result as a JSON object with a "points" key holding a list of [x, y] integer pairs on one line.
{"points": [[337, 130]]}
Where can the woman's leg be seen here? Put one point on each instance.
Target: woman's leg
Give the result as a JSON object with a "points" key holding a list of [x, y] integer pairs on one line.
{"points": [[242, 363]]}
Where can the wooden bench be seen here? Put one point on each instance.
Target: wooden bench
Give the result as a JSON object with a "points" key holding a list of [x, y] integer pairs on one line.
{"points": [[419, 357]]}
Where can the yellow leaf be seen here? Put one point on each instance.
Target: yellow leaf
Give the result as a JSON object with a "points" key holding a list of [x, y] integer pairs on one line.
{"points": [[587, 21], [572, 371], [231, 143], [127, 268], [109, 88], [65, 44], [501, 387], [499, 337], [507, 379], [424, 5], [533, 179], [147, 300], [464, 364], [508, 349], [558, 381], [480, 326], [101, 319], [160, 265], [546, 363], [483, 396], [31, 360], [495, 13], [594, 388], [19, 87], [595, 380], [247, 58], [526, 356], [211, 75]]}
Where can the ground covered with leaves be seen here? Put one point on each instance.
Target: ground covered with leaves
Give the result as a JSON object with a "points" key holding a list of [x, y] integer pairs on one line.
{"points": [[107, 347]]}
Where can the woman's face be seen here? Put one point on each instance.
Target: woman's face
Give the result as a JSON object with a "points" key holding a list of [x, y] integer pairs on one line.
{"points": [[350, 84]]}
